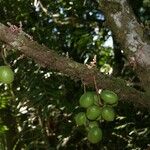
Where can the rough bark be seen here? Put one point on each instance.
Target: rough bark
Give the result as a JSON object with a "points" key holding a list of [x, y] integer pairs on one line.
{"points": [[48, 58], [130, 35]]}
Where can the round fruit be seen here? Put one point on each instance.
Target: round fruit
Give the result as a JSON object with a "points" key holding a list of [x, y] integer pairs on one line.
{"points": [[109, 97], [115, 104], [94, 135], [108, 113], [96, 98], [93, 112], [93, 124], [6, 74], [87, 99], [99, 118], [80, 119]]}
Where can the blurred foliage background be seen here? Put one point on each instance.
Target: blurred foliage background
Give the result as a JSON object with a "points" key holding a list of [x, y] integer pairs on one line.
{"points": [[37, 110]]}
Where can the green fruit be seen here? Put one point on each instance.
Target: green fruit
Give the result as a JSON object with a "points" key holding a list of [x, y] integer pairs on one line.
{"points": [[109, 97], [6, 75], [94, 135], [86, 100], [108, 113], [115, 104], [96, 98], [93, 112], [93, 124], [80, 119], [99, 118]]}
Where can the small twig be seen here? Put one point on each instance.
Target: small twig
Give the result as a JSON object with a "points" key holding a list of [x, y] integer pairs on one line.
{"points": [[92, 63], [4, 55], [16, 30], [84, 87], [95, 84]]}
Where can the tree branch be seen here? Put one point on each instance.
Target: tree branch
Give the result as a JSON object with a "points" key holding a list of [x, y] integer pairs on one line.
{"points": [[48, 58], [130, 34]]}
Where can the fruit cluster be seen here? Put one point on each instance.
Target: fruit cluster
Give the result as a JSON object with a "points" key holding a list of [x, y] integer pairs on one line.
{"points": [[98, 107], [6, 75]]}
